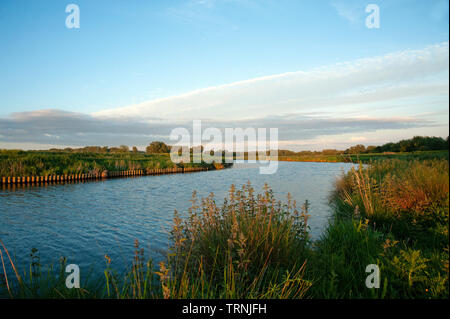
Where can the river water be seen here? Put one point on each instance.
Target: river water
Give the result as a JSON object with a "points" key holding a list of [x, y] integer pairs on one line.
{"points": [[84, 221]]}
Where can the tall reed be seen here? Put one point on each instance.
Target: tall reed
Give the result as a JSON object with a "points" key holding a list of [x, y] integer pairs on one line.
{"points": [[250, 247]]}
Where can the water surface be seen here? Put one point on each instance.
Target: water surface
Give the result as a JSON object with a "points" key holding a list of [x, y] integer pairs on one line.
{"points": [[86, 220]]}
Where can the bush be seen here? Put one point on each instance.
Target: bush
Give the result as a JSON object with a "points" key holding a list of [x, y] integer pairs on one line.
{"points": [[250, 247], [157, 148]]}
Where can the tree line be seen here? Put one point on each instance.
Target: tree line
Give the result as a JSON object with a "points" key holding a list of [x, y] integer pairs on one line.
{"points": [[417, 143]]}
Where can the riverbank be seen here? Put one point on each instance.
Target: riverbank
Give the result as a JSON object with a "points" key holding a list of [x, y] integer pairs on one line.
{"points": [[47, 163], [367, 158], [52, 179], [393, 214], [40, 167]]}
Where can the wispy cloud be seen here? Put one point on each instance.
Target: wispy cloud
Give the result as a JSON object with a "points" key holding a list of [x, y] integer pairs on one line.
{"points": [[67, 128], [351, 10], [353, 100], [405, 74]]}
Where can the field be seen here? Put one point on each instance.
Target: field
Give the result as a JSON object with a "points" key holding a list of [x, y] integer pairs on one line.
{"points": [[366, 158], [43, 163]]}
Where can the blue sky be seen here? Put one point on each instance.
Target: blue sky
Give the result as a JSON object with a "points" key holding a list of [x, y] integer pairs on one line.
{"points": [[128, 55]]}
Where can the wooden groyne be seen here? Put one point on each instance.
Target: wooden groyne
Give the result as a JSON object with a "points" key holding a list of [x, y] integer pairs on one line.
{"points": [[36, 180]]}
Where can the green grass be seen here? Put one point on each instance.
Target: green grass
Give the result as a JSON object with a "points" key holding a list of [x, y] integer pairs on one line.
{"points": [[367, 158], [42, 163], [394, 214]]}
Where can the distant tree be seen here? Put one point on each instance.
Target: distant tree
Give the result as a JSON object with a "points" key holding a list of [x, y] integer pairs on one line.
{"points": [[371, 149], [357, 149], [331, 152], [417, 143], [135, 150], [157, 148], [286, 153]]}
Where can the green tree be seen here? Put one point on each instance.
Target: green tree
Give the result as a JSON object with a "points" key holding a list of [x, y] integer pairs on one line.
{"points": [[357, 149], [157, 148]]}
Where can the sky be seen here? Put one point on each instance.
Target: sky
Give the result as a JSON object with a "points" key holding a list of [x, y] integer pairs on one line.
{"points": [[134, 70]]}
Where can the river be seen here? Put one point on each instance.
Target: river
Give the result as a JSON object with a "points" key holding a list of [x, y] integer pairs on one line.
{"points": [[84, 221]]}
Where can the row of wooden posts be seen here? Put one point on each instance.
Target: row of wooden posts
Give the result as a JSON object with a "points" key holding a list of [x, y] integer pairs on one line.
{"points": [[104, 174]]}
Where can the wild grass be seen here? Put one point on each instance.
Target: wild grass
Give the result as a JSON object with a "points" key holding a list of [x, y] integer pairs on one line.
{"points": [[394, 214], [250, 247], [367, 158], [42, 163]]}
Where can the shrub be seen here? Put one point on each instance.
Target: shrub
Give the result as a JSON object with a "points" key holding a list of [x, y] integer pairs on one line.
{"points": [[250, 247]]}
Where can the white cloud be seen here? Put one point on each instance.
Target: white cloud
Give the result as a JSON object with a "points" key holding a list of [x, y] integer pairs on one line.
{"points": [[334, 89], [372, 100], [358, 139]]}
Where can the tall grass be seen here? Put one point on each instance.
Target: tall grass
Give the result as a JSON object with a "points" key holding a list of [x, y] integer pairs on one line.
{"points": [[250, 247], [35, 163], [395, 214], [366, 158]]}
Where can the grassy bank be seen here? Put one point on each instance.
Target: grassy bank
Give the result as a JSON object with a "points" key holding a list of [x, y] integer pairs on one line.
{"points": [[392, 213], [367, 158], [43, 163]]}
